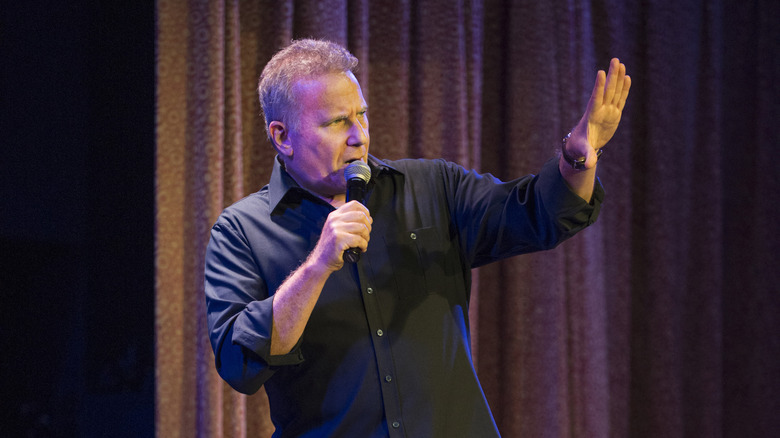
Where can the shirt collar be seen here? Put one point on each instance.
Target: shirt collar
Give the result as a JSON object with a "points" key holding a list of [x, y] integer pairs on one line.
{"points": [[282, 185], [378, 166]]}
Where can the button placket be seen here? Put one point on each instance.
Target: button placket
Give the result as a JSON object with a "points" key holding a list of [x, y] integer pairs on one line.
{"points": [[382, 348]]}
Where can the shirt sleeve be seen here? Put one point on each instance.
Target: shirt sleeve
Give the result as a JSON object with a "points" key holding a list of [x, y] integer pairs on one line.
{"points": [[240, 313], [497, 219]]}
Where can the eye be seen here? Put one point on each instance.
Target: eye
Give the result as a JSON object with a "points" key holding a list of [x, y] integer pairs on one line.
{"points": [[336, 121]]}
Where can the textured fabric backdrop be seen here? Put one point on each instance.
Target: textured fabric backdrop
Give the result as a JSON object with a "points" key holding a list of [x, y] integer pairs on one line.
{"points": [[661, 320]]}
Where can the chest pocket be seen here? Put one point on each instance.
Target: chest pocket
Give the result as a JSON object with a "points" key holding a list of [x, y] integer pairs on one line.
{"points": [[425, 262]]}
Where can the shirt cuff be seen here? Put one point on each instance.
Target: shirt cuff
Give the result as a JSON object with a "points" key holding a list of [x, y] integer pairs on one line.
{"points": [[574, 211], [252, 330]]}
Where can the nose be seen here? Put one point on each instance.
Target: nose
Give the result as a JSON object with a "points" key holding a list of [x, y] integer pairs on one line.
{"points": [[358, 135]]}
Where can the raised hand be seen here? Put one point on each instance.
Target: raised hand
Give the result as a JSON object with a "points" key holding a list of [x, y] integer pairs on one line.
{"points": [[602, 115], [606, 103]]}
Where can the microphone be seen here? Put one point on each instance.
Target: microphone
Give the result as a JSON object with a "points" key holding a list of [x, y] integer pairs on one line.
{"points": [[357, 175]]}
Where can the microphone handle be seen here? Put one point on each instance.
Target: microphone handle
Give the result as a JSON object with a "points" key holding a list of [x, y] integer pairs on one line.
{"points": [[355, 191]]}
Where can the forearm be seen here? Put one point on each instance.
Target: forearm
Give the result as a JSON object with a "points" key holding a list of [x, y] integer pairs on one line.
{"points": [[293, 303]]}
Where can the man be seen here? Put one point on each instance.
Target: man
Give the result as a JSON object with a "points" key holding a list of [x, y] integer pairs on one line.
{"points": [[379, 347]]}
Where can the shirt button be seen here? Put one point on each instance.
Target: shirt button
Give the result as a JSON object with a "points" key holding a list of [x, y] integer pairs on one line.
{"points": [[380, 332], [388, 378], [369, 291], [396, 424], [413, 236]]}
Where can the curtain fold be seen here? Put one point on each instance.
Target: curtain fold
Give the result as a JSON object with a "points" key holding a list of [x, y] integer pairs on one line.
{"points": [[657, 321]]}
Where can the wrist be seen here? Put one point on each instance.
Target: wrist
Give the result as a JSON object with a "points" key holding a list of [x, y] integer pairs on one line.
{"points": [[318, 265], [576, 163]]}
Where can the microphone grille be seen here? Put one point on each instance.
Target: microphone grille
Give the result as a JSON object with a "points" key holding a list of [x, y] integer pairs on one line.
{"points": [[357, 169]]}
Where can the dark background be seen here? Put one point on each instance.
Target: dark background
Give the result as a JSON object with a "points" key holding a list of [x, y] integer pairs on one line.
{"points": [[77, 218]]}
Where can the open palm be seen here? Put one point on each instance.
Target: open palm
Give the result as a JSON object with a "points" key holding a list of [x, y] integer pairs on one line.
{"points": [[606, 104]]}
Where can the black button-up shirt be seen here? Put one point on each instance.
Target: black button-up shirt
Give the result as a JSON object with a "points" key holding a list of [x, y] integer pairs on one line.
{"points": [[386, 351]]}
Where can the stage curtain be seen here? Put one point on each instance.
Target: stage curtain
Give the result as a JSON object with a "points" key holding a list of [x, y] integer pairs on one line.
{"points": [[660, 320]]}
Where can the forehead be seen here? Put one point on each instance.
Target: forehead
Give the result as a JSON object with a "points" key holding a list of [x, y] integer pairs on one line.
{"points": [[332, 92]]}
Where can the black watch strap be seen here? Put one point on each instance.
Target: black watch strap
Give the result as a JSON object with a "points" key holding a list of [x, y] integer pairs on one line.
{"points": [[579, 163]]}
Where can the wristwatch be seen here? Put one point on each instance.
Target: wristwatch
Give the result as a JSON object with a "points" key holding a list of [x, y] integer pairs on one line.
{"points": [[579, 163]]}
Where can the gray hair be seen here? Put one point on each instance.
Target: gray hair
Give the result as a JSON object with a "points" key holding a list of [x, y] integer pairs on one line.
{"points": [[302, 59]]}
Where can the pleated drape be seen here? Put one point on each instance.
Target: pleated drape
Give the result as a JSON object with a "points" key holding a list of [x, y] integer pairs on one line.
{"points": [[656, 321]]}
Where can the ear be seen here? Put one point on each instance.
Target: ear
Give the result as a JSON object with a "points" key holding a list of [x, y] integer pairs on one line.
{"points": [[280, 137]]}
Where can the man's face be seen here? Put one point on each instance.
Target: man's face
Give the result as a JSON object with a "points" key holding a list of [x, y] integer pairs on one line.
{"points": [[332, 132]]}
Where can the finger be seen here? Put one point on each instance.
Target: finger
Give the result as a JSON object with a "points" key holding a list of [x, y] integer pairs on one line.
{"points": [[343, 228], [597, 96], [355, 222], [355, 206], [361, 229], [351, 212], [358, 238], [612, 76], [346, 237], [619, 84], [624, 93], [358, 218]]}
